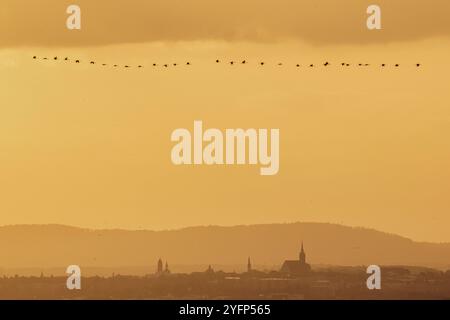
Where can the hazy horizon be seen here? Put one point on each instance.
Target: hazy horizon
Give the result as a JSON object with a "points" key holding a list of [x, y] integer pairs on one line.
{"points": [[48, 246]]}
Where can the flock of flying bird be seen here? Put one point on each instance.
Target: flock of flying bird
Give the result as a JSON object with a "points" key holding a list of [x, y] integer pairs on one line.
{"points": [[326, 64]]}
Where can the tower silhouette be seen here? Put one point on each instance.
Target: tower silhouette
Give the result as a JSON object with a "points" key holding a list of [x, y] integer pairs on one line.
{"points": [[166, 270], [302, 256], [297, 267], [159, 269]]}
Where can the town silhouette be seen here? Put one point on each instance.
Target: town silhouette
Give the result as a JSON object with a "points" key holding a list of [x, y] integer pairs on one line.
{"points": [[295, 280]]}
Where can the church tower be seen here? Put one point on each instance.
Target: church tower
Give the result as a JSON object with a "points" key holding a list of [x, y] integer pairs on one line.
{"points": [[249, 265], [297, 267], [159, 270], [302, 256]]}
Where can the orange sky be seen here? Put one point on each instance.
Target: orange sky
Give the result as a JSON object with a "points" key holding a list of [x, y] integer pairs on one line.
{"points": [[87, 146]]}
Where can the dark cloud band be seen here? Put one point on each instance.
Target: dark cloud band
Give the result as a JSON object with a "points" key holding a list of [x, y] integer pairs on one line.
{"points": [[24, 22]]}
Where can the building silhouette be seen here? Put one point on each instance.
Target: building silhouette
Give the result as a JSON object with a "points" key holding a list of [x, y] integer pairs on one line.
{"points": [[296, 267], [210, 270], [166, 269], [160, 269], [249, 265]]}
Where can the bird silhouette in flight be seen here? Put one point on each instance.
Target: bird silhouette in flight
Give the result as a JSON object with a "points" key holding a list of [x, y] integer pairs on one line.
{"points": [[231, 62], [326, 64], [188, 63], [34, 57], [343, 64], [127, 66], [348, 64], [66, 59], [298, 65], [92, 62], [115, 65], [262, 63], [397, 65], [154, 64], [244, 62], [77, 61], [139, 66], [383, 65], [280, 64], [311, 65], [360, 64], [166, 65], [174, 64], [55, 58], [45, 58], [104, 64], [217, 61], [418, 65]]}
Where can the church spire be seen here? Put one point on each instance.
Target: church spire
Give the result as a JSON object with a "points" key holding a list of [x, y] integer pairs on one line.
{"points": [[249, 265], [159, 268], [302, 255]]}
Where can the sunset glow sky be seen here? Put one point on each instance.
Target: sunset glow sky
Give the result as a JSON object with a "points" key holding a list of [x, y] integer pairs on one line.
{"points": [[87, 145]]}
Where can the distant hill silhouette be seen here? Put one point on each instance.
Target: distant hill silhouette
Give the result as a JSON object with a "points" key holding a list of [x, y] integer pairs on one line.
{"points": [[47, 246]]}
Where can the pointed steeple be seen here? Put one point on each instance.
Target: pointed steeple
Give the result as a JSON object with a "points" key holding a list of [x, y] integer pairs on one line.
{"points": [[249, 265], [302, 256]]}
